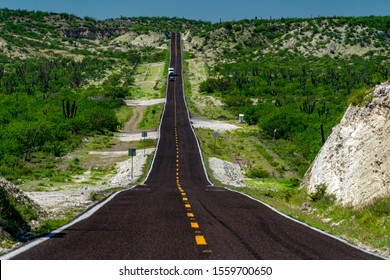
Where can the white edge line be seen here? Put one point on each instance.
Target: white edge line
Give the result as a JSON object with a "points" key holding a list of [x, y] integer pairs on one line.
{"points": [[40, 240], [269, 206], [306, 225], [161, 120], [87, 214], [189, 118]]}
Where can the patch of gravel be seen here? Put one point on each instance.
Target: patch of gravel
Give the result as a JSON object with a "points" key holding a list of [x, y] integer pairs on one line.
{"points": [[127, 137], [141, 102], [124, 177], [57, 202], [109, 153], [226, 172], [200, 122]]}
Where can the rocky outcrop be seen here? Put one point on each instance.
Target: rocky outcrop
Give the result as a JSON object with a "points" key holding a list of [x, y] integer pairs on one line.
{"points": [[91, 33], [10, 199], [7, 190], [354, 163]]}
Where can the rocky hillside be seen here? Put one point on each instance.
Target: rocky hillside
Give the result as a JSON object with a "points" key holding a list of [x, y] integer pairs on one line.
{"points": [[354, 163], [318, 37], [26, 33], [18, 213]]}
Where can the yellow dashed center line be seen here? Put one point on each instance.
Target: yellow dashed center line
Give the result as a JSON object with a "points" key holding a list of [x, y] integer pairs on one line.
{"points": [[194, 225], [199, 238]]}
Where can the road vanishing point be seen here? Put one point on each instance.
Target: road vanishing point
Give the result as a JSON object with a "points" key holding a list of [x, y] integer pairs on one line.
{"points": [[178, 214]]}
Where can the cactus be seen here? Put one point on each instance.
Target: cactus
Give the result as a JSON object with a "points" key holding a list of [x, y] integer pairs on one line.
{"points": [[69, 111], [323, 111], [308, 107], [322, 133]]}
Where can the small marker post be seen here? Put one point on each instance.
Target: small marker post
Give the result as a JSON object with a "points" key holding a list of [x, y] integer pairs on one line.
{"points": [[144, 135], [132, 152], [153, 113]]}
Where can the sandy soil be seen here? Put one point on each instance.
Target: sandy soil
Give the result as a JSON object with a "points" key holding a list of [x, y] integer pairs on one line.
{"points": [[151, 102], [126, 137], [132, 124], [200, 122], [127, 173]]}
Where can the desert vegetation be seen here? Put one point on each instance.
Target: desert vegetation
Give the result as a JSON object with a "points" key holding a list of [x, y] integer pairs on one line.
{"points": [[63, 80]]}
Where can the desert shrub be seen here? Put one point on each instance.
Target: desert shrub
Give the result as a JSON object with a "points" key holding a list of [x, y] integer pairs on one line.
{"points": [[319, 193], [258, 172], [285, 123]]}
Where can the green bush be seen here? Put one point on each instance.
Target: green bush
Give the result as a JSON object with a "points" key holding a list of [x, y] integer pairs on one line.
{"points": [[359, 97], [283, 124], [319, 193], [99, 118], [258, 172]]}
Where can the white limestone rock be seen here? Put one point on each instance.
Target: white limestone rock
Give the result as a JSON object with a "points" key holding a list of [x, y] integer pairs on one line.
{"points": [[354, 163]]}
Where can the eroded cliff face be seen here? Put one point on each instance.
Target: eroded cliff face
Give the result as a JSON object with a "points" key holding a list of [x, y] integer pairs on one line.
{"points": [[354, 163], [91, 33]]}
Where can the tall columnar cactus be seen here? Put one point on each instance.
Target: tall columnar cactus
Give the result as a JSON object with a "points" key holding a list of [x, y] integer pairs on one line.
{"points": [[69, 111], [322, 133], [308, 107], [323, 111]]}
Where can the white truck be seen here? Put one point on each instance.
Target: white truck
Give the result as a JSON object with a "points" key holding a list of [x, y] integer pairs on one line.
{"points": [[171, 73]]}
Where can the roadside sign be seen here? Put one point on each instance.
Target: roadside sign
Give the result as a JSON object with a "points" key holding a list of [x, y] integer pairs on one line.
{"points": [[132, 152]]}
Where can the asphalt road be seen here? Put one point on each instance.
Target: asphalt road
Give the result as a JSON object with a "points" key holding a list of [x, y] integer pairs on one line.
{"points": [[177, 214]]}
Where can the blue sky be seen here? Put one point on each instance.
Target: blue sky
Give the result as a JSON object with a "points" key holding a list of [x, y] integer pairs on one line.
{"points": [[208, 10]]}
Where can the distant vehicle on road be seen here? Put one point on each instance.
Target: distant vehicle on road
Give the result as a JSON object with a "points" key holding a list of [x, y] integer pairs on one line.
{"points": [[171, 74]]}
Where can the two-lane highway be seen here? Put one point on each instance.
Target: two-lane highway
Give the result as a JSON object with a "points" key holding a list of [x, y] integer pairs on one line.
{"points": [[177, 214]]}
